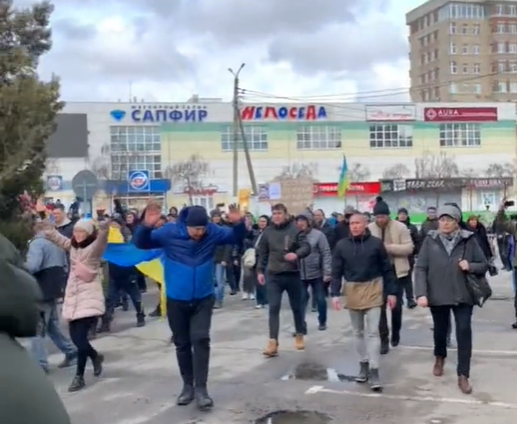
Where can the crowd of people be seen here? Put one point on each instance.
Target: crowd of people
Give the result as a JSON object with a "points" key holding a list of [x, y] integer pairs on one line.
{"points": [[372, 263]]}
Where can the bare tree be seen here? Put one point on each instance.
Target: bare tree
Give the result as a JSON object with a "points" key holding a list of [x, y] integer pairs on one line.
{"points": [[190, 173], [298, 170], [358, 173], [396, 172], [469, 173], [436, 166], [101, 165], [500, 170]]}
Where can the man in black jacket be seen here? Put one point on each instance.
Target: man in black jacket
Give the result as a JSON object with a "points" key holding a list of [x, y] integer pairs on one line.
{"points": [[342, 229], [430, 223], [403, 216], [281, 246]]}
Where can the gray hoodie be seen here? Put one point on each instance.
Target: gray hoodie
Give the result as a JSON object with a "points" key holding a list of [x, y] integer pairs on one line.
{"points": [[318, 263]]}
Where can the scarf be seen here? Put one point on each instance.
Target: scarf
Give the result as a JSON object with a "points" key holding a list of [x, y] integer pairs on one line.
{"points": [[450, 240]]}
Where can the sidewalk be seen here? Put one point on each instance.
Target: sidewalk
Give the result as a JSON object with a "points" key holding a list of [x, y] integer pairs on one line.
{"points": [[141, 379]]}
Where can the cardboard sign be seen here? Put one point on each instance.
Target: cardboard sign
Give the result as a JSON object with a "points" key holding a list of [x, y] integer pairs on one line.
{"points": [[296, 194]]}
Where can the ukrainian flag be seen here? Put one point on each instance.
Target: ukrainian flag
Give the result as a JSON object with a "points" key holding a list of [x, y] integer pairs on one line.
{"points": [[148, 262], [344, 179]]}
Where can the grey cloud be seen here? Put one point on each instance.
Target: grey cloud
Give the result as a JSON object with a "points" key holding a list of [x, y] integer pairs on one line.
{"points": [[72, 31], [341, 48]]}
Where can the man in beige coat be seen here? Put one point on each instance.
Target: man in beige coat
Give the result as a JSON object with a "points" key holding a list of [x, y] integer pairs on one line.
{"points": [[398, 243]]}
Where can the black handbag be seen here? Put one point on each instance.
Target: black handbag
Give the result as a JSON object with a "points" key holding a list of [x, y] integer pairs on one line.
{"points": [[477, 285]]}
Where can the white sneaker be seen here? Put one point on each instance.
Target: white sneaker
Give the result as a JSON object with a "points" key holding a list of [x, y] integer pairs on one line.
{"points": [[252, 297], [245, 296], [259, 307]]}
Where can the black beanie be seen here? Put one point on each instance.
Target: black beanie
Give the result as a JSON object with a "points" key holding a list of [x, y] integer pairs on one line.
{"points": [[381, 207], [196, 217]]}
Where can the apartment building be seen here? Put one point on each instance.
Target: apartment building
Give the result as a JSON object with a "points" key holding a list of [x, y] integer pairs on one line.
{"points": [[463, 51]]}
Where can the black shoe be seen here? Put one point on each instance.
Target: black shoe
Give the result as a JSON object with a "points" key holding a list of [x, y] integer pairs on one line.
{"points": [[104, 327], [385, 347], [374, 380], [322, 327], [125, 305], [97, 365], [186, 396], [514, 325], [140, 321], [77, 384], [203, 400], [156, 313], [395, 340], [364, 371], [411, 304], [68, 361]]}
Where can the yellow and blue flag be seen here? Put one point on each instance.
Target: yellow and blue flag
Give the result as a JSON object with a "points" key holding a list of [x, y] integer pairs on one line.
{"points": [[344, 179], [148, 262]]}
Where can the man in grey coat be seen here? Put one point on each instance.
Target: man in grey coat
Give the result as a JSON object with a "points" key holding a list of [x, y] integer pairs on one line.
{"points": [[315, 269], [48, 264]]}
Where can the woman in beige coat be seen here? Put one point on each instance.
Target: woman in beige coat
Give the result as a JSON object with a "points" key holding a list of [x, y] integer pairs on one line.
{"points": [[84, 297]]}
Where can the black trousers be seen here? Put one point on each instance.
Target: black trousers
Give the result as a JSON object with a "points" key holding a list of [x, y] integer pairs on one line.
{"points": [[79, 330], [190, 323], [276, 285], [408, 284], [463, 319], [396, 315]]}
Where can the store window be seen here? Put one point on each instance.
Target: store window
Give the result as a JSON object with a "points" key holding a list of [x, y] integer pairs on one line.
{"points": [[318, 138], [135, 148], [460, 135], [256, 138], [206, 201], [391, 136]]}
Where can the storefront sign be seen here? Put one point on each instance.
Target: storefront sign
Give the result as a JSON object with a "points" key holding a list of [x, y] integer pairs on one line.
{"points": [[138, 181], [391, 113], [488, 183], [355, 189], [54, 182], [284, 113], [163, 113], [460, 114]]}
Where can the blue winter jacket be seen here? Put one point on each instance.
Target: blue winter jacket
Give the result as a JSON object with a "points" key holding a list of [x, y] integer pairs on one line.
{"points": [[187, 263]]}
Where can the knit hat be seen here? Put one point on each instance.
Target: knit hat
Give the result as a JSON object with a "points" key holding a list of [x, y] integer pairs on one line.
{"points": [[403, 210], [196, 217], [381, 207], [306, 216], [85, 225], [449, 210]]}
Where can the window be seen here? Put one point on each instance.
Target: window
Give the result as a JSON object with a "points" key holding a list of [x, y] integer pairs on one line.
{"points": [[318, 138], [454, 67], [464, 29], [460, 135], [452, 28], [476, 88], [512, 29], [512, 48], [206, 201], [465, 68], [476, 29], [453, 88], [512, 10], [513, 87], [465, 49], [475, 49], [500, 29], [135, 148], [501, 66], [501, 87], [501, 48], [499, 10], [512, 67], [391, 136], [453, 49], [476, 68], [256, 139]]}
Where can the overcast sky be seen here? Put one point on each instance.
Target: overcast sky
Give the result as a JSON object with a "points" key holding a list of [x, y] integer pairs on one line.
{"points": [[167, 50]]}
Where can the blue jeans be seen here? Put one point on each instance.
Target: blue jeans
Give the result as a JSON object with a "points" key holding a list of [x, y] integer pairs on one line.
{"points": [[318, 292], [219, 280], [49, 325]]}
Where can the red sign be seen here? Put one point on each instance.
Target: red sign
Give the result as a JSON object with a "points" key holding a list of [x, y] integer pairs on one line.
{"points": [[460, 114], [355, 189], [283, 113]]}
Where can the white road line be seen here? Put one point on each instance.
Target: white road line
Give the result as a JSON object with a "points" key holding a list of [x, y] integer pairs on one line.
{"points": [[320, 389], [477, 352]]}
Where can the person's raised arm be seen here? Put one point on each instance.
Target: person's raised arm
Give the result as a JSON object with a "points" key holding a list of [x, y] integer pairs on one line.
{"points": [[234, 234], [146, 237]]}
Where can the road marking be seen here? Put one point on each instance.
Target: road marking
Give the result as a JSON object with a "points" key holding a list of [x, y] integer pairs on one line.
{"points": [[320, 389], [477, 352]]}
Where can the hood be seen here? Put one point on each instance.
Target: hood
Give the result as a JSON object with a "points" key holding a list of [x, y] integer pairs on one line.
{"points": [[19, 294]]}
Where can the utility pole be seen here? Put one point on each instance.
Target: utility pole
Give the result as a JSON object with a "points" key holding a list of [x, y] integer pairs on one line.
{"points": [[247, 155], [236, 128]]}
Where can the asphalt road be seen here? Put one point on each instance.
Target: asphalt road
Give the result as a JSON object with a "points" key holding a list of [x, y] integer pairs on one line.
{"points": [[141, 378]]}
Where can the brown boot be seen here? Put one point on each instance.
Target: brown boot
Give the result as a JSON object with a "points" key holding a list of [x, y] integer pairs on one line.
{"points": [[299, 343], [464, 385], [439, 362], [271, 349]]}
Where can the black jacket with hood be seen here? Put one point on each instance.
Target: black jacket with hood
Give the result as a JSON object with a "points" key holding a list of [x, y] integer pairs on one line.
{"points": [[276, 242], [28, 396]]}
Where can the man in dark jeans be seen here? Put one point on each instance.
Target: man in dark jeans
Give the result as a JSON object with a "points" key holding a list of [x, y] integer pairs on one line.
{"points": [[315, 269], [189, 247], [280, 248]]}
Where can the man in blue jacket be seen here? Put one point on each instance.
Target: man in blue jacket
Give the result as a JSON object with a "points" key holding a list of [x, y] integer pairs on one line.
{"points": [[189, 246]]}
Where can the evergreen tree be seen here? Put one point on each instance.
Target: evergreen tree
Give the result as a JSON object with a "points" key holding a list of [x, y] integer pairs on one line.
{"points": [[28, 109]]}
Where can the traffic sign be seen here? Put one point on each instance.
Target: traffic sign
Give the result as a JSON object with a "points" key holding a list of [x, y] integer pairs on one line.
{"points": [[85, 184], [138, 181]]}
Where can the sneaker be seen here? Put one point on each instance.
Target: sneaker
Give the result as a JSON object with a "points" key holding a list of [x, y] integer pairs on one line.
{"points": [[252, 297], [374, 380], [259, 307], [245, 296], [322, 327], [364, 372], [69, 361]]}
